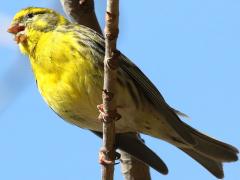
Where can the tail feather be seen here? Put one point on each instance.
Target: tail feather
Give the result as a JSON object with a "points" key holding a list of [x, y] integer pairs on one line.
{"points": [[210, 148], [209, 152], [211, 165], [213, 148]]}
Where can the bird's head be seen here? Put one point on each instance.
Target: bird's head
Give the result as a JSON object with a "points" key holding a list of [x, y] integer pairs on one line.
{"points": [[32, 22]]}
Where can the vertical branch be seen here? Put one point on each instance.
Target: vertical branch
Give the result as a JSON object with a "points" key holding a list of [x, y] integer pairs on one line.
{"points": [[132, 168], [82, 12], [109, 90]]}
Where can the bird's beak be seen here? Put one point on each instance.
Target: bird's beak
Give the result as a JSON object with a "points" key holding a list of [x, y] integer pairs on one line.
{"points": [[18, 30], [15, 28]]}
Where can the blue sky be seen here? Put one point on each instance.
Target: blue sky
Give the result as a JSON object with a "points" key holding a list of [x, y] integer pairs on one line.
{"points": [[189, 49]]}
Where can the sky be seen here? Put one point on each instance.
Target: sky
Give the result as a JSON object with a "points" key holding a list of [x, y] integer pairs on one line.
{"points": [[190, 51]]}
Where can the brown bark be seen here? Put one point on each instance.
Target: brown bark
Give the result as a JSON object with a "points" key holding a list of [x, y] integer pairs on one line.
{"points": [[109, 114]]}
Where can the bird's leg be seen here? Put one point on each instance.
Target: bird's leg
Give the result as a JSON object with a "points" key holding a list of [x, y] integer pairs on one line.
{"points": [[107, 117]]}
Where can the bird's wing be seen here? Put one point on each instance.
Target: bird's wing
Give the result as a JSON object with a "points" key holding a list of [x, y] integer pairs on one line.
{"points": [[206, 150], [96, 42], [156, 99]]}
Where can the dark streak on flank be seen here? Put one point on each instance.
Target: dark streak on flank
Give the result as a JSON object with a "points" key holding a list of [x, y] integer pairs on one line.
{"points": [[72, 49], [140, 92], [120, 82], [133, 95]]}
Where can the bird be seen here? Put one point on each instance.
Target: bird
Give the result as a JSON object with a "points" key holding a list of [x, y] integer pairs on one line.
{"points": [[67, 62]]}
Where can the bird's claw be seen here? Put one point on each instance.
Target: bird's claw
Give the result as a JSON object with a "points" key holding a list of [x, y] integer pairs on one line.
{"points": [[103, 160], [109, 116]]}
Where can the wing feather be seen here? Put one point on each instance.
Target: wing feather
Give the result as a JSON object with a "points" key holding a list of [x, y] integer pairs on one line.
{"points": [[141, 82]]}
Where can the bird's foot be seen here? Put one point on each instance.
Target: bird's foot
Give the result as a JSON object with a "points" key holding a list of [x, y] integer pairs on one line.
{"points": [[103, 154], [109, 116]]}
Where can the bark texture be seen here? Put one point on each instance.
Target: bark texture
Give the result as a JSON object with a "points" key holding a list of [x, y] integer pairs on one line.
{"points": [[109, 114]]}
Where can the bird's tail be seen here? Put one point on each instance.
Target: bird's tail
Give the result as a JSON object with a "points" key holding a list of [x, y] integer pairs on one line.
{"points": [[211, 165], [210, 152]]}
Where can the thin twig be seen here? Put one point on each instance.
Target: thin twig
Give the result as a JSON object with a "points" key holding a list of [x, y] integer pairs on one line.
{"points": [[110, 114]]}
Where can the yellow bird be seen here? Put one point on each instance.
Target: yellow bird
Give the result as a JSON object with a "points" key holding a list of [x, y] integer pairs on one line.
{"points": [[67, 61]]}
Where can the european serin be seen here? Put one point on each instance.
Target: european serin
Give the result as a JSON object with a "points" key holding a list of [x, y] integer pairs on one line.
{"points": [[67, 61]]}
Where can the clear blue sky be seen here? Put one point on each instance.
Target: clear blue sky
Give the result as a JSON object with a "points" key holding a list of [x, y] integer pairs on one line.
{"points": [[189, 49]]}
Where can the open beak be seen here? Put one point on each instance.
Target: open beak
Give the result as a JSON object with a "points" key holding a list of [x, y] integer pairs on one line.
{"points": [[18, 31]]}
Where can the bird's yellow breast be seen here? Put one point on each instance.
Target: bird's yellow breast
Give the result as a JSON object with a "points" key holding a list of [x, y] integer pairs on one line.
{"points": [[68, 67], [68, 81]]}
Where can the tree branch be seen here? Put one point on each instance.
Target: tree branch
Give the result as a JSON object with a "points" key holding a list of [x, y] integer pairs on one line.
{"points": [[132, 168], [109, 114], [83, 13]]}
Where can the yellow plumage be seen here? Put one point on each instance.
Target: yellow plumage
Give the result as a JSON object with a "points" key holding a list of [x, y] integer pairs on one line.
{"points": [[69, 72], [67, 61]]}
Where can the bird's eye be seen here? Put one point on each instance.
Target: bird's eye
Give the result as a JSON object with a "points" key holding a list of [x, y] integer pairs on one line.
{"points": [[30, 15]]}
